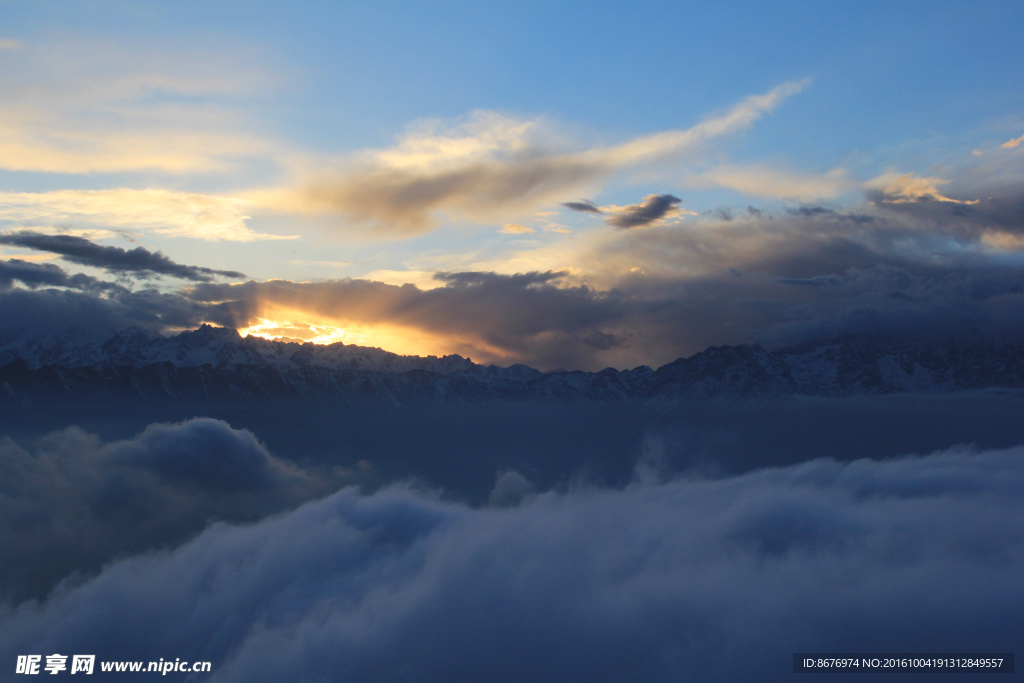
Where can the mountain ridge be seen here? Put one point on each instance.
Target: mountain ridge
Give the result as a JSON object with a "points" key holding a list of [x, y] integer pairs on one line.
{"points": [[212, 361]]}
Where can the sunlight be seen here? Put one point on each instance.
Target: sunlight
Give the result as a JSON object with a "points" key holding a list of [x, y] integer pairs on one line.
{"points": [[294, 325], [298, 332]]}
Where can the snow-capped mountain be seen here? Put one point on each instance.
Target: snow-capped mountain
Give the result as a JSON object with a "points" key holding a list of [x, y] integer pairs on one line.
{"points": [[213, 361]]}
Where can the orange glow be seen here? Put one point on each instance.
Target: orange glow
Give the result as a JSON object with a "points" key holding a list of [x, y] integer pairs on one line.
{"points": [[300, 326], [305, 332]]}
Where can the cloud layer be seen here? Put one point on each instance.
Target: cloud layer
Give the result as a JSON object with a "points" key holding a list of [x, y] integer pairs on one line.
{"points": [[909, 260], [649, 296], [718, 580], [71, 502]]}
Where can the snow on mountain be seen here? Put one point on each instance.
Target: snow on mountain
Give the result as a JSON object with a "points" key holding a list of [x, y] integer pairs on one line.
{"points": [[213, 361]]}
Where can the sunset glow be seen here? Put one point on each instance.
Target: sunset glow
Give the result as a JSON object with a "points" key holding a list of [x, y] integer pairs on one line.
{"points": [[303, 332], [302, 326]]}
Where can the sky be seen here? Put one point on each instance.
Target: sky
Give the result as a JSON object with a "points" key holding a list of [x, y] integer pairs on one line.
{"points": [[570, 185]]}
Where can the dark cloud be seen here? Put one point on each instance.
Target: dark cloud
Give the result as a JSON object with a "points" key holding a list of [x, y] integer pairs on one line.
{"points": [[652, 209], [31, 315], [810, 211], [71, 502], [711, 580], [34, 275], [31, 274], [533, 315], [998, 210], [138, 261], [813, 211], [850, 286], [583, 206], [541, 320]]}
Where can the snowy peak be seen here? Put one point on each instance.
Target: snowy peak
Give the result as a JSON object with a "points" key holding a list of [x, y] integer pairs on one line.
{"points": [[213, 360]]}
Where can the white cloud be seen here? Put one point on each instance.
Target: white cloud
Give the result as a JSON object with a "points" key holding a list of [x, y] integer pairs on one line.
{"points": [[491, 166], [162, 212]]}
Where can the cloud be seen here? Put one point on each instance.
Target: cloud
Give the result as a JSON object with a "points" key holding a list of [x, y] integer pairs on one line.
{"points": [[1004, 241], [1010, 144], [700, 285], [624, 298], [491, 165], [666, 145], [91, 315], [71, 502], [652, 209], [516, 229], [162, 212], [583, 206], [688, 298], [8, 45], [511, 488], [901, 189], [714, 580], [761, 181], [138, 261], [34, 275], [486, 316], [811, 211], [698, 288]]}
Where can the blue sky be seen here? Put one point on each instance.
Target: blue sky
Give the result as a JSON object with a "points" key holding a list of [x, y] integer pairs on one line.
{"points": [[324, 142]]}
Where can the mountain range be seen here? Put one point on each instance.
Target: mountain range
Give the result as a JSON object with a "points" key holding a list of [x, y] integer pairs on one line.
{"points": [[217, 362]]}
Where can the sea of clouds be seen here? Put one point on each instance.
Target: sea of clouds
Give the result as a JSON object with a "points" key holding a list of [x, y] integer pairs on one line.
{"points": [[669, 578]]}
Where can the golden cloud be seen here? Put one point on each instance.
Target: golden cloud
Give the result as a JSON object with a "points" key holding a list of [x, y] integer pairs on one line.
{"points": [[516, 229], [901, 189], [1010, 144], [163, 212]]}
